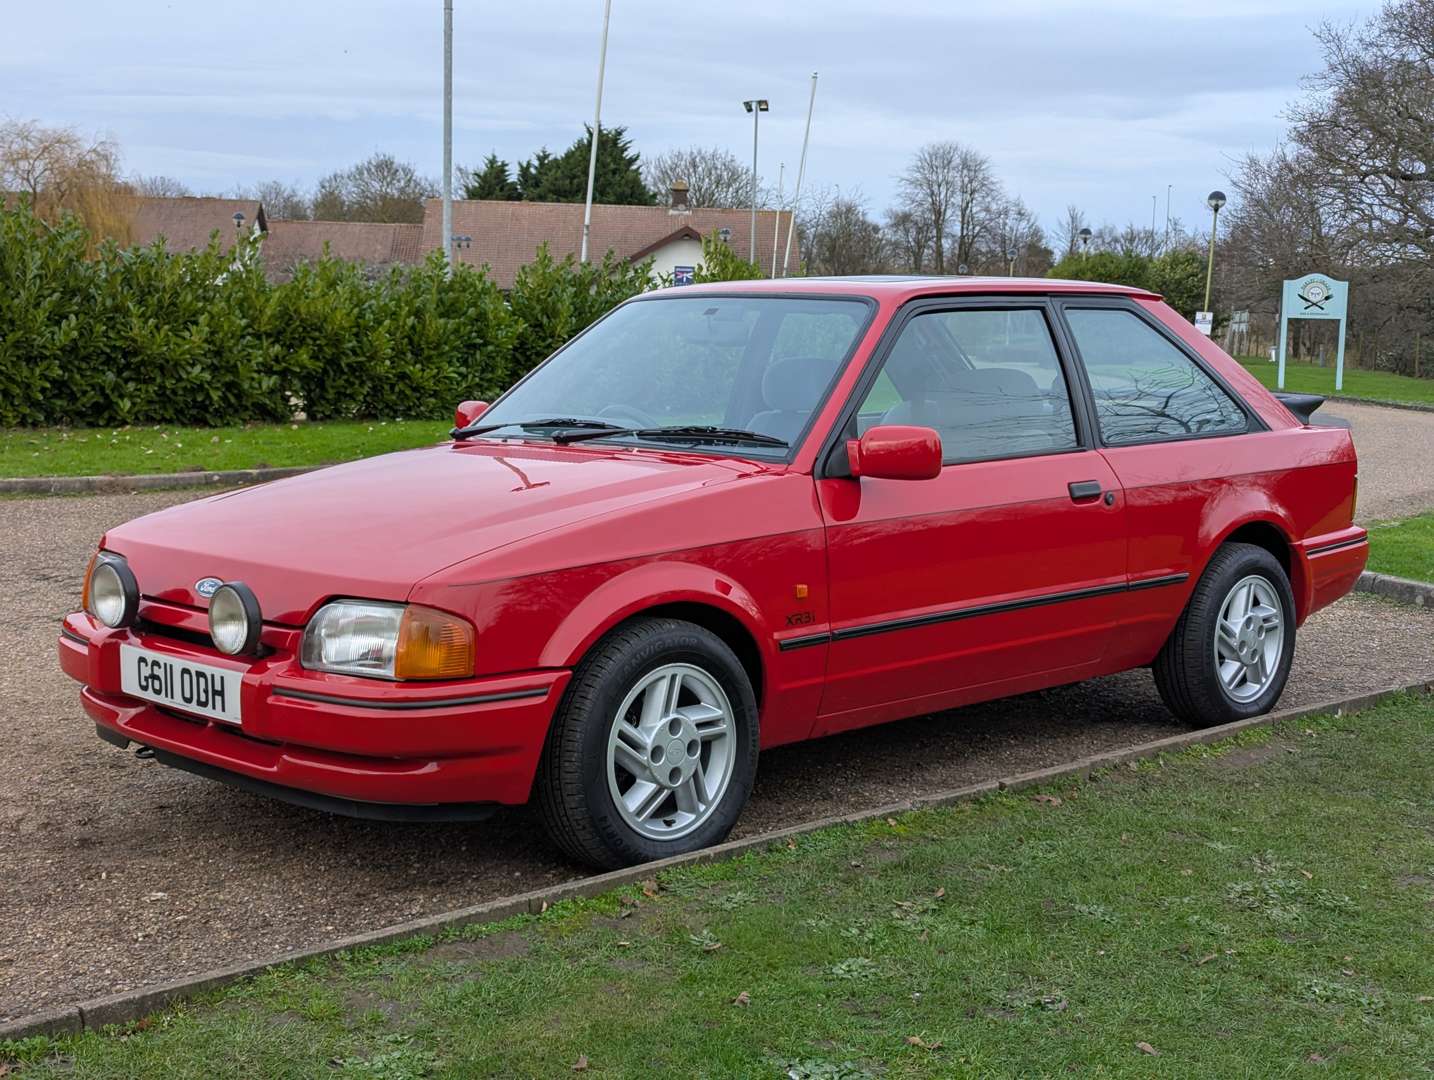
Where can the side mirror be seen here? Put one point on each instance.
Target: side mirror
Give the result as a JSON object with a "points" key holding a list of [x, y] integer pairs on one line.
{"points": [[468, 412], [896, 452]]}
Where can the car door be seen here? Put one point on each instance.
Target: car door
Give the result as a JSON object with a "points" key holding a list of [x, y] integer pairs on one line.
{"points": [[1176, 437], [1001, 574]]}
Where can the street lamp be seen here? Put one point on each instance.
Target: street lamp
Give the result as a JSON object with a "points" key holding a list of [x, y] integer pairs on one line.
{"points": [[1214, 201], [238, 220], [757, 106], [1084, 235], [1011, 260]]}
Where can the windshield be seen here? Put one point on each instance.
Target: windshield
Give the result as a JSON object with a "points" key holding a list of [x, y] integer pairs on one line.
{"points": [[738, 364]]}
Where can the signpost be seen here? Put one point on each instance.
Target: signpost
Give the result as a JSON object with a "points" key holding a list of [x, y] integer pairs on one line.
{"points": [[1314, 296]]}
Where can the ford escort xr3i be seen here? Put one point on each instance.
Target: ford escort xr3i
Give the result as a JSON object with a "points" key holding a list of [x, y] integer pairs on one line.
{"points": [[726, 518]]}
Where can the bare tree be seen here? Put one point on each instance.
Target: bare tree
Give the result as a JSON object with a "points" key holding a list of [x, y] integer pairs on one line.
{"points": [[381, 188], [159, 187], [714, 176], [909, 238], [978, 202], [281, 201], [1368, 125], [1068, 231], [931, 186], [841, 238]]}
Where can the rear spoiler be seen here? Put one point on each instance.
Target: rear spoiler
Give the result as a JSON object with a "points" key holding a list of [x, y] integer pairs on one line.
{"points": [[1302, 405]]}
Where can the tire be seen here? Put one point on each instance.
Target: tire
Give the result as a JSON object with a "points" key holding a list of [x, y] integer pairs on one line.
{"points": [[1187, 672], [620, 726]]}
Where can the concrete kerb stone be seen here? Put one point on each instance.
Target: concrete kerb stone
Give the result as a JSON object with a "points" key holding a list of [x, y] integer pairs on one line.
{"points": [[1404, 590], [1411, 406], [124, 485], [131, 1005]]}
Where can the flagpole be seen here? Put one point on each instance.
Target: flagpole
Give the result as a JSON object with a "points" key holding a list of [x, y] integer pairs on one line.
{"points": [[597, 128], [801, 172]]}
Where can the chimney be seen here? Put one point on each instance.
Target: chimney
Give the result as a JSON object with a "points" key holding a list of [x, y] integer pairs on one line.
{"points": [[679, 198]]}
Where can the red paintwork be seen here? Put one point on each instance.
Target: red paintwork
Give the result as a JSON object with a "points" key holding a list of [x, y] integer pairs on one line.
{"points": [[546, 548], [467, 412], [896, 452]]}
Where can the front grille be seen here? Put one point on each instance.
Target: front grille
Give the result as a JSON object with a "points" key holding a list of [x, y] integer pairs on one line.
{"points": [[153, 629]]}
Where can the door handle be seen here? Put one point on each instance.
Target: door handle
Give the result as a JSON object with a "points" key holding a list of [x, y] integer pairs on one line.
{"points": [[1082, 490]]}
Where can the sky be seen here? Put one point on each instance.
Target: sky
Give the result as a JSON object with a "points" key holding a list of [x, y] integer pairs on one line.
{"points": [[1101, 103]]}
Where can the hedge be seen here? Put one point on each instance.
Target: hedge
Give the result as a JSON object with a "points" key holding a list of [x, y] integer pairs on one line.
{"points": [[138, 335]]}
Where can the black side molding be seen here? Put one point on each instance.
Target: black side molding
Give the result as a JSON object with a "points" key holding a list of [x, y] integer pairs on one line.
{"points": [[1302, 405]]}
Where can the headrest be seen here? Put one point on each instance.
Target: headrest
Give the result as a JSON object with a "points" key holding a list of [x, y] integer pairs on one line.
{"points": [[794, 383]]}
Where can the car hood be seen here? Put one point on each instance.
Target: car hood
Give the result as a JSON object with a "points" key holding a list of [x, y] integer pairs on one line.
{"points": [[374, 528]]}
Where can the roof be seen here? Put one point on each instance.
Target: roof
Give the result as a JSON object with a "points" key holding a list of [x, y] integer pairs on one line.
{"points": [[900, 287], [375, 243], [506, 235], [186, 222]]}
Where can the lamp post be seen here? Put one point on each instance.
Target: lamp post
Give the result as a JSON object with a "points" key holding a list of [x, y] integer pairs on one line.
{"points": [[1084, 235], [756, 106], [1214, 201], [1011, 260]]}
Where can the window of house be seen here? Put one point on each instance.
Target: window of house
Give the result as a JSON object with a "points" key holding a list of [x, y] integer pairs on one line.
{"points": [[1145, 388]]}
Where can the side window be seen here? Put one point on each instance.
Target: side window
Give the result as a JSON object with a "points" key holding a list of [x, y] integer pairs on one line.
{"points": [[989, 382], [1144, 387]]}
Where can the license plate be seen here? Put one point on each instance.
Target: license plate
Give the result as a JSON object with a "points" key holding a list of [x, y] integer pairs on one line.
{"points": [[193, 688]]}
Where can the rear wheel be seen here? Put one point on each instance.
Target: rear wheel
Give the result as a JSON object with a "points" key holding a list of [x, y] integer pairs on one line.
{"points": [[654, 748], [1229, 656]]}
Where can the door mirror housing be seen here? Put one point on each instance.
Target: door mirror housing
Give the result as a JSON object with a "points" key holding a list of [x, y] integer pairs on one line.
{"points": [[896, 452], [468, 412]]}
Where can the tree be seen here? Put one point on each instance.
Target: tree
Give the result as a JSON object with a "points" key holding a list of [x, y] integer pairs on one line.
{"points": [[977, 204], [908, 238], [491, 181], [382, 188], [58, 171], [721, 263], [840, 237], [714, 176], [1068, 231], [954, 187], [281, 201], [1368, 127], [159, 187], [564, 178]]}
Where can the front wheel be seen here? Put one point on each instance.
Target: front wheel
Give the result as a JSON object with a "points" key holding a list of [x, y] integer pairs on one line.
{"points": [[654, 748], [1229, 656]]}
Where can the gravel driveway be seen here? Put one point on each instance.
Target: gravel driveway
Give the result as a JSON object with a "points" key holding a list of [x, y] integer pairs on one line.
{"points": [[1396, 458], [121, 873]]}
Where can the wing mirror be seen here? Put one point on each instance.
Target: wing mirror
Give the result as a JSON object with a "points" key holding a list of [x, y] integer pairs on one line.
{"points": [[896, 452], [468, 413]]}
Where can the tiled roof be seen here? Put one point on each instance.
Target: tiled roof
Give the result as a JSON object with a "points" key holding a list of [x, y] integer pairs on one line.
{"points": [[186, 222], [506, 235], [375, 243]]}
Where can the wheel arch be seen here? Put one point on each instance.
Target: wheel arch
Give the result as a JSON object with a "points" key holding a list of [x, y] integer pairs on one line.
{"points": [[1271, 535]]}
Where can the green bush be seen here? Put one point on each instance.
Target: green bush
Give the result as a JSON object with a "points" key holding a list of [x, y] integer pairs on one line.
{"points": [[138, 335], [1179, 276]]}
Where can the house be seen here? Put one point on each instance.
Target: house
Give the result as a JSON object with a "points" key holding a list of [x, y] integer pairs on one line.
{"points": [[506, 235], [186, 222], [375, 244]]}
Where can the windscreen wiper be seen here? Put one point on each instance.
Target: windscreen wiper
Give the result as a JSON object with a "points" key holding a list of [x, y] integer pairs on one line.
{"points": [[694, 433], [553, 422]]}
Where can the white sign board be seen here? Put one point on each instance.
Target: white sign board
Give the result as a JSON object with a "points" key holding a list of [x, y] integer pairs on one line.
{"points": [[1314, 296], [1205, 322]]}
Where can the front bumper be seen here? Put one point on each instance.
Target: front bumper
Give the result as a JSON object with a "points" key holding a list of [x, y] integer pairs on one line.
{"points": [[345, 739]]}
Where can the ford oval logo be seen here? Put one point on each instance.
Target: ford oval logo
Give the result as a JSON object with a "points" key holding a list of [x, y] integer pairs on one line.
{"points": [[207, 587]]}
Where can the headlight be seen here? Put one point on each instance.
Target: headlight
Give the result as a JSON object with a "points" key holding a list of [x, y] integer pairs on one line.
{"points": [[388, 641], [234, 619], [111, 592]]}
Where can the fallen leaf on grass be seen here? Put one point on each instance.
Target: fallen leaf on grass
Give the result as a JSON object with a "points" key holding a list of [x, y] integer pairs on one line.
{"points": [[1046, 800], [917, 1040], [939, 893], [1316, 1059], [1146, 1048], [1206, 959], [891, 821], [581, 1064], [624, 944], [1424, 999], [743, 998], [1307, 875], [649, 888]]}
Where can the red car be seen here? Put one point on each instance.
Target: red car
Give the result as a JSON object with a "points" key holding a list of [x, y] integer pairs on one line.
{"points": [[722, 519]]}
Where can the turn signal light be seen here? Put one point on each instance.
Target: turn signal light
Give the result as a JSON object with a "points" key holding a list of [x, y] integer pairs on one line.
{"points": [[433, 645]]}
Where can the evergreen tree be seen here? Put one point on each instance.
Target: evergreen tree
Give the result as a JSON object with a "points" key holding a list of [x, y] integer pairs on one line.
{"points": [[491, 181], [564, 177]]}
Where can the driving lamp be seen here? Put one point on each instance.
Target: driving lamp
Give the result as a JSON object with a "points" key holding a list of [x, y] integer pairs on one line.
{"points": [[388, 641], [234, 619], [111, 593]]}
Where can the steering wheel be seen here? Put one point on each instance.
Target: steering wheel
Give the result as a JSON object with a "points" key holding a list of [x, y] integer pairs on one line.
{"points": [[629, 415]]}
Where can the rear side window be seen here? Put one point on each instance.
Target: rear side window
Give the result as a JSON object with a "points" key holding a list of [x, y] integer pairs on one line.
{"points": [[988, 381], [1146, 389]]}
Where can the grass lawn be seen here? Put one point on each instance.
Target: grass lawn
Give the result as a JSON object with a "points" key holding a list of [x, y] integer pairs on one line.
{"points": [[1265, 907], [1374, 386], [150, 449], [1403, 548]]}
